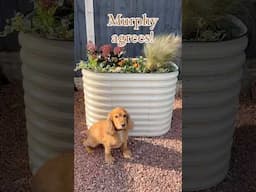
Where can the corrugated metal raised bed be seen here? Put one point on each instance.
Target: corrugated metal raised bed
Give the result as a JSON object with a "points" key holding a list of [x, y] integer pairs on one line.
{"points": [[211, 85], [48, 93], [147, 97]]}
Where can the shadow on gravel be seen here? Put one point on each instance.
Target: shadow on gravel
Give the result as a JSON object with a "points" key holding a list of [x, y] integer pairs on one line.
{"points": [[14, 166], [154, 155]]}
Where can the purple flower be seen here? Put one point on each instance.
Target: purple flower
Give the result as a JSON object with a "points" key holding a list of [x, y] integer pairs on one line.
{"points": [[106, 49]]}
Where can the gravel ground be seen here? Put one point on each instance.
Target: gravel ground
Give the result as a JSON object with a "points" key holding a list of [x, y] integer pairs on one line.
{"points": [[15, 175], [156, 165], [137, 173]]}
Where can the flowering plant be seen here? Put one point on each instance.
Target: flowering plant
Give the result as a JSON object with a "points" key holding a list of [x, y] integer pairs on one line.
{"points": [[52, 19], [158, 57]]}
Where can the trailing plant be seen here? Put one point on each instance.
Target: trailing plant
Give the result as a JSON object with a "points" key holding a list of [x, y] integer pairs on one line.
{"points": [[206, 20], [52, 19], [158, 57]]}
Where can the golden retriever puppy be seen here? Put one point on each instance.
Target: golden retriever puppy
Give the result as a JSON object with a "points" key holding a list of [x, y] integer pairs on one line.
{"points": [[55, 175], [111, 133]]}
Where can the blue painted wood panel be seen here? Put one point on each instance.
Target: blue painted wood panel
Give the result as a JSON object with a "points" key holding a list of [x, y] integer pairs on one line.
{"points": [[168, 11]]}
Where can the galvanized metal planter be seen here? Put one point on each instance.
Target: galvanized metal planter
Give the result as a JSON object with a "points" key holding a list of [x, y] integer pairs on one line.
{"points": [[147, 97], [211, 85], [48, 94]]}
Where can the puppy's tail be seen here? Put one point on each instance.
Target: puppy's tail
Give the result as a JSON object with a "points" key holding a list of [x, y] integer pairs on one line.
{"points": [[84, 132]]}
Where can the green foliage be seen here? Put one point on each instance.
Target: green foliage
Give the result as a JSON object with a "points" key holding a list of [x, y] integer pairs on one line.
{"points": [[136, 65], [205, 20], [50, 19], [128, 65], [14, 24], [46, 22], [106, 60], [43, 20]]}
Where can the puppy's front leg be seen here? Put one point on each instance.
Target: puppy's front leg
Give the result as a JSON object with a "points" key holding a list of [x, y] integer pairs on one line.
{"points": [[108, 157], [126, 152]]}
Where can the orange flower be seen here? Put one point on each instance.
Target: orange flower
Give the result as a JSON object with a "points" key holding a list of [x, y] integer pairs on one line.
{"points": [[136, 65], [121, 63]]}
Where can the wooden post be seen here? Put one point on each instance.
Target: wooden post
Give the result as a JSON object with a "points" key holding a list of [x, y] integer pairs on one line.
{"points": [[89, 18]]}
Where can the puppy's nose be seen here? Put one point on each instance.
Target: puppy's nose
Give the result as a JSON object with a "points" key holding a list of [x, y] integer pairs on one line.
{"points": [[123, 125]]}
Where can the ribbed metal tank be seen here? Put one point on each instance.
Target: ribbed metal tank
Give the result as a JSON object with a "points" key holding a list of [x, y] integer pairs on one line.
{"points": [[147, 97], [47, 67], [211, 85]]}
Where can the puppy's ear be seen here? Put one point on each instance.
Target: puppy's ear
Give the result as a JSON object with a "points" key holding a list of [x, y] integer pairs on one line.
{"points": [[110, 128], [129, 122], [110, 118]]}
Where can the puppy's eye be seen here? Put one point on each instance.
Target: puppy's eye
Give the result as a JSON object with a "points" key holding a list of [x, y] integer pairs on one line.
{"points": [[116, 116], [125, 116]]}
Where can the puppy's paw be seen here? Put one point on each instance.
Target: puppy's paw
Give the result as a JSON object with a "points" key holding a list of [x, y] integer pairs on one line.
{"points": [[127, 154], [88, 149], [109, 159]]}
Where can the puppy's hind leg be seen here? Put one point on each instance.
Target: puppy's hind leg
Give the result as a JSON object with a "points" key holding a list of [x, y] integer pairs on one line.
{"points": [[89, 144]]}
